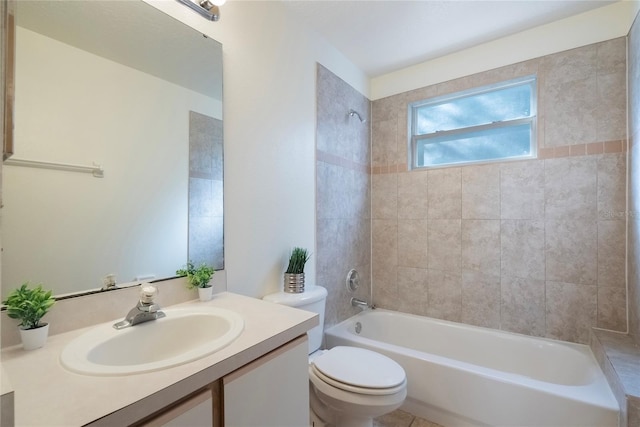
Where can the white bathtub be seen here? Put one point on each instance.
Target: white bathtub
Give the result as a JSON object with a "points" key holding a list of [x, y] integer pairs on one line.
{"points": [[461, 375]]}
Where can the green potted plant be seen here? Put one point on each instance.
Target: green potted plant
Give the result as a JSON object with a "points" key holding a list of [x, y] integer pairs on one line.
{"points": [[294, 276], [200, 278], [29, 305]]}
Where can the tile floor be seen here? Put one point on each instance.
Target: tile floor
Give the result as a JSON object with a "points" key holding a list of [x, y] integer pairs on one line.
{"points": [[400, 418]]}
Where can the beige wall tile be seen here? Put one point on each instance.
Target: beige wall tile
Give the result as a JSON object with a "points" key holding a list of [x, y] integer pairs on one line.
{"points": [[412, 243], [384, 196], [383, 142], [385, 243], [522, 190], [611, 106], [612, 176], [481, 192], [611, 56], [571, 188], [413, 292], [571, 251], [522, 249], [481, 246], [420, 94], [445, 295], [385, 291], [445, 193], [523, 305], [384, 109], [402, 140], [480, 299], [326, 241], [611, 253], [570, 112], [412, 195], [570, 65], [612, 308], [384, 261], [329, 200], [444, 244], [570, 311]]}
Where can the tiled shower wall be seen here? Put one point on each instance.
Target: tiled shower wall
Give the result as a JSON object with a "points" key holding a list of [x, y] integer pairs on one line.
{"points": [[634, 173], [343, 212], [535, 247]]}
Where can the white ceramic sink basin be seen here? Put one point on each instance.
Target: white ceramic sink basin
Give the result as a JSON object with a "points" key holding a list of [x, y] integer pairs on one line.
{"points": [[184, 335]]}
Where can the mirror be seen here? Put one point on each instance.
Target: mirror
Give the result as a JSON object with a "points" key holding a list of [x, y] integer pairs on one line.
{"points": [[121, 89]]}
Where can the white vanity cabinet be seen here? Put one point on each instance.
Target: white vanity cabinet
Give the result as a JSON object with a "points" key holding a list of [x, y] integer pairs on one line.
{"points": [[272, 391]]}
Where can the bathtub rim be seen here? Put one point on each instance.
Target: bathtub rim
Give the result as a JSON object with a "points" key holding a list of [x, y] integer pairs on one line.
{"points": [[598, 380]]}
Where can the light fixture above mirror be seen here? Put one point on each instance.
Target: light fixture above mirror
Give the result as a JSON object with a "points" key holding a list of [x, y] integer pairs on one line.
{"points": [[207, 8]]}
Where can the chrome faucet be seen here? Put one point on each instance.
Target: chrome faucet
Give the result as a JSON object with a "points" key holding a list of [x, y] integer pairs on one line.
{"points": [[144, 311], [362, 304]]}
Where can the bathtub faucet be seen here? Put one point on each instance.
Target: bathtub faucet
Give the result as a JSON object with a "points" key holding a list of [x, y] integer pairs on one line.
{"points": [[362, 304]]}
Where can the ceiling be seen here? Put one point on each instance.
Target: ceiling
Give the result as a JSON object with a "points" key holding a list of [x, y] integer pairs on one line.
{"points": [[386, 35]]}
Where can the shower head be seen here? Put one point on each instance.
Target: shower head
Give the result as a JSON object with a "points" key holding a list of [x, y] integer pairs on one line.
{"points": [[354, 113]]}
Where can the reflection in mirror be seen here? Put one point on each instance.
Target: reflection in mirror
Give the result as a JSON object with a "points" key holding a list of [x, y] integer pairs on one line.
{"points": [[122, 85]]}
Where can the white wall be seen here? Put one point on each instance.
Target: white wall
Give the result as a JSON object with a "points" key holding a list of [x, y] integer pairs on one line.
{"points": [[269, 135], [594, 26], [66, 229]]}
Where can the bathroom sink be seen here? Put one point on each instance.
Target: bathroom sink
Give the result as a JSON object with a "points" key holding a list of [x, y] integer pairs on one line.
{"points": [[184, 335]]}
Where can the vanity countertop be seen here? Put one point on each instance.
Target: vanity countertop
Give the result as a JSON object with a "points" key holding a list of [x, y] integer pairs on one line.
{"points": [[46, 394]]}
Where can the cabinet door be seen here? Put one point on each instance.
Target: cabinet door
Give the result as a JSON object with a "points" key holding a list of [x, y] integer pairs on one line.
{"points": [[272, 391], [195, 411]]}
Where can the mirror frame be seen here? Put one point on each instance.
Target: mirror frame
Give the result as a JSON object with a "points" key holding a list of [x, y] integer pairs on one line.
{"points": [[7, 74]]}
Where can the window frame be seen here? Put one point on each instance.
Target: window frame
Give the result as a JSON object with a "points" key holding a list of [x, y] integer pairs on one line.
{"points": [[414, 140]]}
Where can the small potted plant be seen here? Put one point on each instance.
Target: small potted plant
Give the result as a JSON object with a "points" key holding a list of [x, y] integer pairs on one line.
{"points": [[294, 276], [29, 306], [199, 278]]}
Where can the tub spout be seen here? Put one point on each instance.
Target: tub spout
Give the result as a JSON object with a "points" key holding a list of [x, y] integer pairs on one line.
{"points": [[362, 304]]}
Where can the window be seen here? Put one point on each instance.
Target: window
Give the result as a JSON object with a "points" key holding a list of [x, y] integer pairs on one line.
{"points": [[489, 123]]}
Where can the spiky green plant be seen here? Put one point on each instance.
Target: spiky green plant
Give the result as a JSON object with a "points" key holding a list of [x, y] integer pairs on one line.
{"points": [[197, 277], [29, 305], [297, 260]]}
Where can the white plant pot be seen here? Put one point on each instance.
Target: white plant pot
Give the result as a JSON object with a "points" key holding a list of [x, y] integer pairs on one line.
{"points": [[34, 338], [205, 294]]}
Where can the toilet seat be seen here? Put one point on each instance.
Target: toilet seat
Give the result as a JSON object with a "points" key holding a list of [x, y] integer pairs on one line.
{"points": [[358, 370]]}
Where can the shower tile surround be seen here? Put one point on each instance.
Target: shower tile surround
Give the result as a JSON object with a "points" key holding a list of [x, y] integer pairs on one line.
{"points": [[534, 247], [343, 203], [498, 232], [205, 190]]}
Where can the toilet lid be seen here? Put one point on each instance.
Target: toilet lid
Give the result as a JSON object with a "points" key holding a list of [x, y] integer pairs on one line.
{"points": [[360, 367]]}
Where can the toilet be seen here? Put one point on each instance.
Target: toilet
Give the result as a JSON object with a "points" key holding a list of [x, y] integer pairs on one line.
{"points": [[348, 386]]}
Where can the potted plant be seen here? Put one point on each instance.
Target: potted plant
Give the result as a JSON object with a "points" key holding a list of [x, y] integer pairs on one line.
{"points": [[199, 278], [29, 306], [294, 276]]}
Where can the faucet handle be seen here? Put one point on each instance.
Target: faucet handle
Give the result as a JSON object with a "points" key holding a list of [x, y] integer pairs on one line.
{"points": [[148, 293]]}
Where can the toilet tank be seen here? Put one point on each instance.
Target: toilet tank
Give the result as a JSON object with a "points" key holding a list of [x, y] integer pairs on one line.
{"points": [[314, 299]]}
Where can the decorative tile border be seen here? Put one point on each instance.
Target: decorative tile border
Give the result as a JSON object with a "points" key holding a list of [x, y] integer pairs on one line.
{"points": [[590, 149], [594, 148], [323, 156]]}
